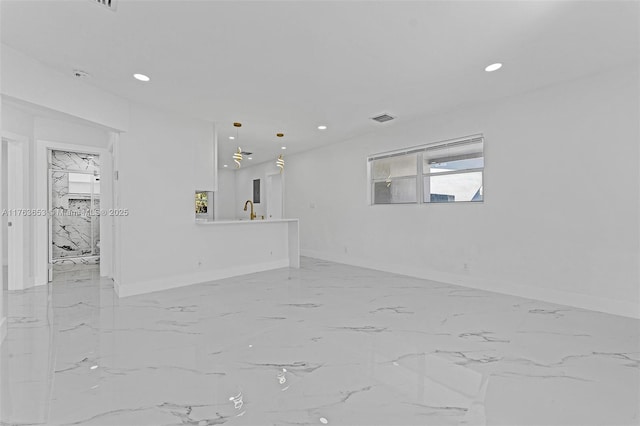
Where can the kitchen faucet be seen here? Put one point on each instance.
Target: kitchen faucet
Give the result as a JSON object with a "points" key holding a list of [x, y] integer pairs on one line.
{"points": [[253, 214]]}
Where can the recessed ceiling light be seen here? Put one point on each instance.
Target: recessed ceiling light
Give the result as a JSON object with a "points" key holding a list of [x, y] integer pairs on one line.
{"points": [[283, 147], [141, 77], [232, 137], [249, 158], [225, 166], [323, 127], [493, 67]]}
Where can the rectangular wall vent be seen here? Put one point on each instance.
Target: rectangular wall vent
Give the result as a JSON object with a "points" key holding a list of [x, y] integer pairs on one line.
{"points": [[109, 4], [382, 118]]}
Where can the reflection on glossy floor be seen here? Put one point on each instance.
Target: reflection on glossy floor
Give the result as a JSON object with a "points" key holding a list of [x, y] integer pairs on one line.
{"points": [[63, 273], [326, 344]]}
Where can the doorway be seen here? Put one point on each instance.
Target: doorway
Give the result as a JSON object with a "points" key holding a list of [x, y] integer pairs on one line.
{"points": [[74, 222], [274, 196]]}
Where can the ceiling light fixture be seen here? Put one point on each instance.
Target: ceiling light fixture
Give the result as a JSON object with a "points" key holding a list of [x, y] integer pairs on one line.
{"points": [[323, 127], [249, 158], [141, 77], [237, 157], [225, 166], [283, 147], [493, 67], [232, 137]]}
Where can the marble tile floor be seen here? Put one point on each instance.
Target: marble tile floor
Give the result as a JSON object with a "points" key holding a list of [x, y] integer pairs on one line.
{"points": [[325, 344], [75, 272]]}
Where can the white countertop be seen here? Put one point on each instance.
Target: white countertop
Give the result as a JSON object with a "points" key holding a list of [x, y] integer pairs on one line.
{"points": [[237, 222]]}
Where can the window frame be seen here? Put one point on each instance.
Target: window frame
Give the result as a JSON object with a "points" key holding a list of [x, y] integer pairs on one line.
{"points": [[397, 178], [421, 176]]}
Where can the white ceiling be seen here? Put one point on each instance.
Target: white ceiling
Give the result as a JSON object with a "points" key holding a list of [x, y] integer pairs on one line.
{"points": [[288, 66]]}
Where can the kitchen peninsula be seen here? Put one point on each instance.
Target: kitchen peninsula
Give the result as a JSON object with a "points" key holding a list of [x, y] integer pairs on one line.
{"points": [[229, 248]]}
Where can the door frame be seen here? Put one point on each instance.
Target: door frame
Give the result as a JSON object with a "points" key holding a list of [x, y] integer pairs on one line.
{"points": [[42, 202], [269, 191], [17, 166]]}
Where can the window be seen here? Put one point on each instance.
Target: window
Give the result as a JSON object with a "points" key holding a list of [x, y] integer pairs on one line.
{"points": [[443, 172], [453, 172], [394, 179]]}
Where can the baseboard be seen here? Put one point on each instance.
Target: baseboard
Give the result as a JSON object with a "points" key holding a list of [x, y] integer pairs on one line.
{"points": [[582, 301], [3, 329], [39, 280], [160, 284]]}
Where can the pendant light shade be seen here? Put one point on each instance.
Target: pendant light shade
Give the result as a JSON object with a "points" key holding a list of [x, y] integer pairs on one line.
{"points": [[280, 163], [237, 157]]}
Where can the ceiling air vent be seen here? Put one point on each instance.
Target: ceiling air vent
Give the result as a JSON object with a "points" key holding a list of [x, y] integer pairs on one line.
{"points": [[80, 74], [382, 118], [109, 4]]}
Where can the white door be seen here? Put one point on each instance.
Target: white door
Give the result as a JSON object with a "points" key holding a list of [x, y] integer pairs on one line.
{"points": [[4, 219], [274, 196], [16, 214]]}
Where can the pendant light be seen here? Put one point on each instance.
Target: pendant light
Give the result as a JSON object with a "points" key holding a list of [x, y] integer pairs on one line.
{"points": [[280, 163], [237, 156], [280, 160]]}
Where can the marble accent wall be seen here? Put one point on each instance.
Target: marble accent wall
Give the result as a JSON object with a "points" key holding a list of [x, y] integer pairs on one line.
{"points": [[75, 161], [75, 227]]}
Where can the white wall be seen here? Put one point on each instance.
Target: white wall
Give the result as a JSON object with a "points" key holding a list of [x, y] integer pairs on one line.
{"points": [[560, 217], [244, 187], [225, 198], [204, 159], [15, 119], [29, 80], [157, 185], [60, 130]]}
